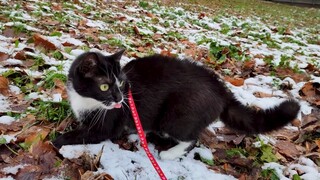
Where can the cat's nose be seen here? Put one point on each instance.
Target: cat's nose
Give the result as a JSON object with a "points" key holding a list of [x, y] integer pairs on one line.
{"points": [[117, 97]]}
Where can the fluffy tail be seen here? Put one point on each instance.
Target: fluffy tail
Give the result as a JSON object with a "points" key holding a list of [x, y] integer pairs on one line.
{"points": [[250, 121]]}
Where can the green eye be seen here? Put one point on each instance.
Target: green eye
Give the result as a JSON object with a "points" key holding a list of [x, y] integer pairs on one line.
{"points": [[104, 87], [121, 83]]}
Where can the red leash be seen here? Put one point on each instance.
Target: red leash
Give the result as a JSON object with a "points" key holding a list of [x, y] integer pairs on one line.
{"points": [[142, 137]]}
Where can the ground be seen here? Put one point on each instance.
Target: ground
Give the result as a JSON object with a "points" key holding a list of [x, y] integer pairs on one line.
{"points": [[265, 52]]}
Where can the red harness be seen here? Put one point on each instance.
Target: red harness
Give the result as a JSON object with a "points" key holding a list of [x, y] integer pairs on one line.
{"points": [[142, 137]]}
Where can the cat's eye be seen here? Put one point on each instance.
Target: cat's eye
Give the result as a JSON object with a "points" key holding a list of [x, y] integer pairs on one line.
{"points": [[104, 87], [121, 83]]}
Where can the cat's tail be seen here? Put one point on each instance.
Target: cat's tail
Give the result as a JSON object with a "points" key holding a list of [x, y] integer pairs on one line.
{"points": [[251, 121]]}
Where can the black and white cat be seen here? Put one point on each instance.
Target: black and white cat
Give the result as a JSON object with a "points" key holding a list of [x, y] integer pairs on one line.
{"points": [[174, 97]]}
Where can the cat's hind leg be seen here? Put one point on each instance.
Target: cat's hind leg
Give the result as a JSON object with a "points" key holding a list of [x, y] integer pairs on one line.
{"points": [[176, 151]]}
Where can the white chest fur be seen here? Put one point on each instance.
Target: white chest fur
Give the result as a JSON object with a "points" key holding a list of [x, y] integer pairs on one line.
{"points": [[80, 104]]}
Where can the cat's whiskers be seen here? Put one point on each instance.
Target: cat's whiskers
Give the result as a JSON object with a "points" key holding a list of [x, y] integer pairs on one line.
{"points": [[95, 119], [103, 118]]}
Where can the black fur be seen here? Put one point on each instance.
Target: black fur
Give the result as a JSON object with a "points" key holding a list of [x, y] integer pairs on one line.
{"points": [[172, 96]]}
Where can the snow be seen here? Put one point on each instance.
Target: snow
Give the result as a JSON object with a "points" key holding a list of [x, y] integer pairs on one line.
{"points": [[4, 104], [8, 138], [12, 170], [14, 89], [123, 164], [310, 170], [6, 120], [56, 97]]}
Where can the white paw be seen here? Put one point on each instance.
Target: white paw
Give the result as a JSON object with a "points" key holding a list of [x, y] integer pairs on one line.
{"points": [[171, 155], [167, 155]]}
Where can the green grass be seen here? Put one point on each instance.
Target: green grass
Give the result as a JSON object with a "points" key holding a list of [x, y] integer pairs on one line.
{"points": [[271, 13]]}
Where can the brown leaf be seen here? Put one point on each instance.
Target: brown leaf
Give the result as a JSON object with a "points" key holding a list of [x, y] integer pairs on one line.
{"points": [[141, 49], [33, 133], [15, 126], [60, 88], [259, 56], [90, 175], [4, 86], [285, 134], [29, 172], [3, 56], [156, 36], [317, 141], [287, 149], [262, 95], [10, 32], [64, 124], [297, 77], [21, 55], [311, 93], [149, 14], [201, 15], [166, 53], [288, 32], [136, 30], [234, 81], [40, 40], [36, 136], [122, 18], [296, 123]]}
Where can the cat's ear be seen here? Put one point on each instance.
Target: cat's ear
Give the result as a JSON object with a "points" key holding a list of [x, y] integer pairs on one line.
{"points": [[88, 64], [117, 56]]}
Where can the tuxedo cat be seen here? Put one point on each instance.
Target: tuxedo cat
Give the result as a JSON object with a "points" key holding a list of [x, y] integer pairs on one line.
{"points": [[174, 97]]}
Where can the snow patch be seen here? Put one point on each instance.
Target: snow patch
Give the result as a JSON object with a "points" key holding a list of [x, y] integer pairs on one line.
{"points": [[6, 120]]}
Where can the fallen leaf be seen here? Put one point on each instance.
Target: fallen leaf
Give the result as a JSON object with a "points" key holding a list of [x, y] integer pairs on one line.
{"points": [[297, 77], [64, 124], [201, 15], [21, 55], [3, 56], [149, 14], [4, 86], [234, 81], [311, 93], [288, 32], [42, 41], [262, 94], [157, 36], [136, 30], [60, 88], [317, 141], [141, 49], [296, 123], [33, 134], [287, 149]]}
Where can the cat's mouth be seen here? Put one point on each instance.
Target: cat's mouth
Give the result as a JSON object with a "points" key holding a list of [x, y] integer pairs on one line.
{"points": [[113, 105]]}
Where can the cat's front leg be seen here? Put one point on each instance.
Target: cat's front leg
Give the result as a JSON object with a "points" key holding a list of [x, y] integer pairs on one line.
{"points": [[78, 136]]}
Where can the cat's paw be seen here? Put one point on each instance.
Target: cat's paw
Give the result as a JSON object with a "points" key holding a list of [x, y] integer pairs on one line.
{"points": [[169, 155]]}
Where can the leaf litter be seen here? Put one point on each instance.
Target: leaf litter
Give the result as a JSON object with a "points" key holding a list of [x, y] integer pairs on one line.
{"points": [[262, 63]]}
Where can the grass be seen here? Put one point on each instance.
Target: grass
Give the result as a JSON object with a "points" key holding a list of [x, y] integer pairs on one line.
{"points": [[271, 13]]}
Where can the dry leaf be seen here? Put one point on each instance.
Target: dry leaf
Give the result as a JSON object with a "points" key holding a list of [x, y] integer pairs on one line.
{"points": [[136, 30], [4, 86], [42, 41], [201, 15], [21, 55], [296, 123], [317, 141], [287, 149], [262, 95], [311, 93], [3, 56], [235, 81]]}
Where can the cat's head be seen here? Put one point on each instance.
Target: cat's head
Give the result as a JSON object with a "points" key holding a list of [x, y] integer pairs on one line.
{"points": [[98, 77]]}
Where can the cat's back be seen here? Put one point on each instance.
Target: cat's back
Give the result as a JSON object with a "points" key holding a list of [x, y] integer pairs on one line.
{"points": [[164, 67]]}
